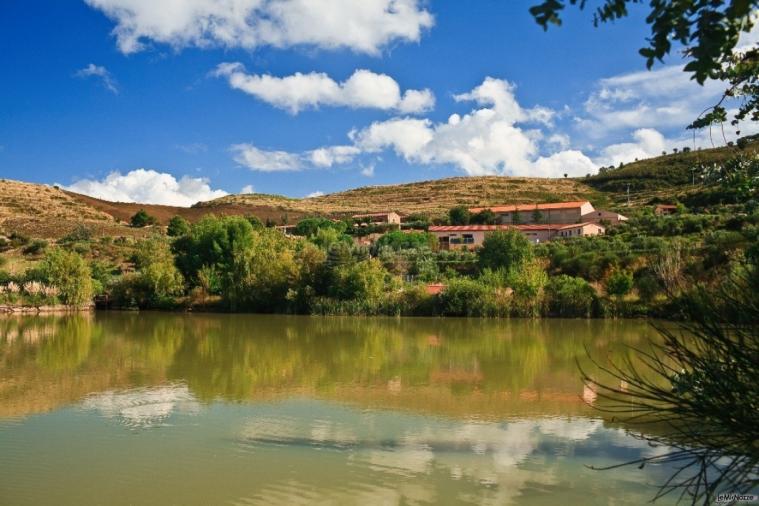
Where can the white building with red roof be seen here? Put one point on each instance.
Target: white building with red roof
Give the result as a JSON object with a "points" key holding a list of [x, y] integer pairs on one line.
{"points": [[472, 236], [580, 211]]}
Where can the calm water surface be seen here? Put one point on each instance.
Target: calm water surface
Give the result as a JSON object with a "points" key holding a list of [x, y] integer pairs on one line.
{"points": [[122, 408]]}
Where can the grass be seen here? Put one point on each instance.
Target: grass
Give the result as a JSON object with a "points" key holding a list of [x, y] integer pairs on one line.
{"points": [[434, 197], [663, 173]]}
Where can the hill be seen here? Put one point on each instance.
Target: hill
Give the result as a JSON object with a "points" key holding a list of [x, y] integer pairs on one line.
{"points": [[264, 209], [663, 173], [45, 211], [49, 212], [434, 197]]}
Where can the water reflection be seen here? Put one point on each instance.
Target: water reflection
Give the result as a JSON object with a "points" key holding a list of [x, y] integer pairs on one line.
{"points": [[126, 408], [143, 407], [487, 369]]}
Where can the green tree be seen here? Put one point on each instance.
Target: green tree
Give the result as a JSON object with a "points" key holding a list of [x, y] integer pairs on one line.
{"points": [[261, 273], [619, 283], [528, 280], [70, 274], [398, 240], [363, 281], [467, 297], [709, 31], [156, 270], [255, 221], [178, 226], [459, 215], [570, 297], [211, 243], [339, 254], [308, 227], [484, 217], [325, 237], [504, 249], [142, 219]]}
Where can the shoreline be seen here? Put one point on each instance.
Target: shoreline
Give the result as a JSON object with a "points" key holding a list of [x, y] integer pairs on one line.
{"points": [[34, 310]]}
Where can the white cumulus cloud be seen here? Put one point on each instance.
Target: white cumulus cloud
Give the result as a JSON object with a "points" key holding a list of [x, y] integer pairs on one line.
{"points": [[262, 160], [662, 98], [363, 89], [648, 142], [491, 139], [364, 26], [148, 187]]}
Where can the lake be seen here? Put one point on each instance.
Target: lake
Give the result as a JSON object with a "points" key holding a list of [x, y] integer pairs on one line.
{"points": [[152, 408]]}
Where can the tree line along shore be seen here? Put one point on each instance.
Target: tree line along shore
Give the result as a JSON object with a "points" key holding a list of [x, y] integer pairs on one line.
{"points": [[641, 267]]}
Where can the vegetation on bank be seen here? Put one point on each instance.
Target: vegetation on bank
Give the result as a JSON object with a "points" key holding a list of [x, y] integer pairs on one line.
{"points": [[231, 263]]}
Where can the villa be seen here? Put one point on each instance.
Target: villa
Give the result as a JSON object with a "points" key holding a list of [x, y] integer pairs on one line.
{"points": [[472, 236], [576, 212], [390, 218]]}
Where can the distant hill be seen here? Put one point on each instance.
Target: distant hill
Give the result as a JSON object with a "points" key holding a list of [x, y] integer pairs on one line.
{"points": [[49, 212], [663, 173], [45, 211], [265, 209], [433, 197]]}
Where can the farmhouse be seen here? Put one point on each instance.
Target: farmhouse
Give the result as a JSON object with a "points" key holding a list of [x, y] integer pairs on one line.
{"points": [[389, 218], [662, 209], [580, 211], [472, 236]]}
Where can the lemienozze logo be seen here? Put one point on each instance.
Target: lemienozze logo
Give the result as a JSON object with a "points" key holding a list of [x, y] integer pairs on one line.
{"points": [[734, 498]]}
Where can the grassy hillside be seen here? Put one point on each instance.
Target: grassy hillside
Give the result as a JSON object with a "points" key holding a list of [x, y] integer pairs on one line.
{"points": [[663, 173], [44, 211], [272, 207], [431, 197]]}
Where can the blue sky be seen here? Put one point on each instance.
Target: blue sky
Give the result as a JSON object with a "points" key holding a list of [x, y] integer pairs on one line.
{"points": [[126, 99]]}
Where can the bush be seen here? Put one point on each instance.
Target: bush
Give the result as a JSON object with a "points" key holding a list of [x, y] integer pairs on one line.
{"points": [[35, 247], [80, 233], [178, 226], [648, 286], [211, 242], [463, 297], [570, 297], [398, 240], [619, 283], [363, 280], [70, 274], [309, 226], [255, 222], [142, 219], [504, 249], [468, 297], [528, 282], [18, 239], [459, 215], [484, 217], [156, 270], [413, 300]]}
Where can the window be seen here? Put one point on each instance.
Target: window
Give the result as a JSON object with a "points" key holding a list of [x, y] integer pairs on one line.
{"points": [[468, 239]]}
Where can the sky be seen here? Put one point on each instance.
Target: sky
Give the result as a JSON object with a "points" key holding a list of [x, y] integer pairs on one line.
{"points": [[178, 101]]}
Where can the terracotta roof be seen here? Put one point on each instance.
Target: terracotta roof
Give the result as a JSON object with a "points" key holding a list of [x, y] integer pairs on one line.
{"points": [[435, 288], [489, 228], [531, 207]]}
